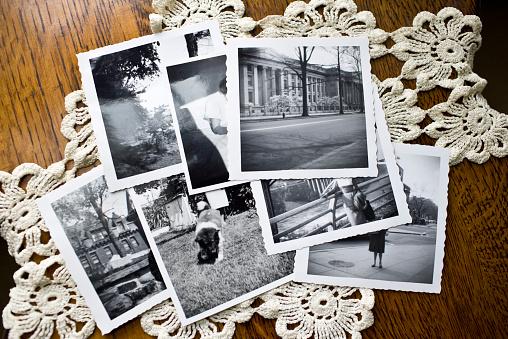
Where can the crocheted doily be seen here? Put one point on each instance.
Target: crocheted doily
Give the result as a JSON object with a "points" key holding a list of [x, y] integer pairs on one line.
{"points": [[437, 51]]}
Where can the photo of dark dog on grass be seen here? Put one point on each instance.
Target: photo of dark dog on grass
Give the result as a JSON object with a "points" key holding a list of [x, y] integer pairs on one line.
{"points": [[210, 270], [208, 234]]}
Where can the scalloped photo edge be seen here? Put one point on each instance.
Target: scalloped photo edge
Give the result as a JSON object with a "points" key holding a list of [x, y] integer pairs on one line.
{"points": [[414, 255]]}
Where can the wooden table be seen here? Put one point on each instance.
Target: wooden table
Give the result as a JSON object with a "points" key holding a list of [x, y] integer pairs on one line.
{"points": [[38, 67]]}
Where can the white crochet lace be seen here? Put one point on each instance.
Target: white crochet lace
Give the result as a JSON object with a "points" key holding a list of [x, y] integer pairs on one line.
{"points": [[437, 51], [322, 311]]}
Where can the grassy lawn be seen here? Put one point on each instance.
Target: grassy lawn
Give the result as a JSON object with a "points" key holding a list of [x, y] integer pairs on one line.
{"points": [[245, 267]]}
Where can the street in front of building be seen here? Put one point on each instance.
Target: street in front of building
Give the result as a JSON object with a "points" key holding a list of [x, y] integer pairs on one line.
{"points": [[323, 142], [409, 256]]}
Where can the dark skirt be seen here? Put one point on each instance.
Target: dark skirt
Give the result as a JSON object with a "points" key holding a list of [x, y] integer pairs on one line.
{"points": [[377, 242]]}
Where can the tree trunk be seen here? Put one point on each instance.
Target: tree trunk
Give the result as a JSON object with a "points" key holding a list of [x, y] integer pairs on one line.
{"points": [[105, 224], [305, 106]]}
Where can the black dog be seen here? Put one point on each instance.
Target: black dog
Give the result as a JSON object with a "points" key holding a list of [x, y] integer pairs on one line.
{"points": [[209, 236]]}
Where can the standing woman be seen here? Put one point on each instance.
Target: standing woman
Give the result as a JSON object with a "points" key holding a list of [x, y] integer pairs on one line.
{"points": [[377, 245]]}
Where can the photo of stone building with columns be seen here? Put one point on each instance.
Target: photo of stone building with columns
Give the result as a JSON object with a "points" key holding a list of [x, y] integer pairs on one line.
{"points": [[265, 74], [301, 108]]}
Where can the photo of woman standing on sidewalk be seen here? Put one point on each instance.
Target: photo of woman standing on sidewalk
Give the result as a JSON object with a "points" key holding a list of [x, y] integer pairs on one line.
{"points": [[416, 249], [377, 245]]}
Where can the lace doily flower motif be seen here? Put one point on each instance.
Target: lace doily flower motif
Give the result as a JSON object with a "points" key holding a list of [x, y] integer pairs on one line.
{"points": [[21, 222], [306, 310], [401, 113], [469, 127], [436, 45], [45, 298], [162, 321], [339, 18], [76, 127], [171, 14]]}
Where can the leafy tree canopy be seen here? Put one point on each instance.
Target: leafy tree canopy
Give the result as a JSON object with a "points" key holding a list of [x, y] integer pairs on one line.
{"points": [[117, 75], [283, 101], [327, 101]]}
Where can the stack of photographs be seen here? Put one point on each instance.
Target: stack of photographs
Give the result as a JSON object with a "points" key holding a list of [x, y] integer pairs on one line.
{"points": [[230, 170]]}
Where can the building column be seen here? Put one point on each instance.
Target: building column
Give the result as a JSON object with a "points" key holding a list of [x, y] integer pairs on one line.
{"points": [[311, 90], [290, 79], [265, 87], [256, 86], [272, 79], [282, 76], [245, 93]]}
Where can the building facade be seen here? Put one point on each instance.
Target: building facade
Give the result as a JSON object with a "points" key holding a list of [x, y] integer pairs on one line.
{"points": [[263, 76], [100, 245]]}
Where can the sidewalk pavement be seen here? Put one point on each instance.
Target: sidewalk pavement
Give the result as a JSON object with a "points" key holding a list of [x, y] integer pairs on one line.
{"points": [[294, 116], [405, 263], [351, 155]]}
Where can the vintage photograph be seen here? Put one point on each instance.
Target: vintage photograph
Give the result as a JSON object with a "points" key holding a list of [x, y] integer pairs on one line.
{"points": [[102, 241], [300, 108], [198, 89], [129, 100], [298, 213], [407, 257], [199, 43], [210, 245]]}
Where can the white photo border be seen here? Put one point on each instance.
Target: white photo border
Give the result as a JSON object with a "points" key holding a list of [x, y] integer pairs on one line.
{"points": [[114, 183], [397, 187], [234, 145], [302, 256], [167, 280], [73, 264]]}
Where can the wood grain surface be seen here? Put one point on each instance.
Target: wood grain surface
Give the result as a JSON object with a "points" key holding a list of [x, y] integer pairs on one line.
{"points": [[38, 67]]}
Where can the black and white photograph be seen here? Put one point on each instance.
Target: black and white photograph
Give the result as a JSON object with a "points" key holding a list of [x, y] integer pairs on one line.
{"points": [[210, 245], [129, 100], [199, 89], [297, 213], [199, 43], [407, 257], [300, 108], [101, 239]]}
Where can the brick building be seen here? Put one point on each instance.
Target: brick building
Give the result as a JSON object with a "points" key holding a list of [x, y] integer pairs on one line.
{"points": [[99, 246]]}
